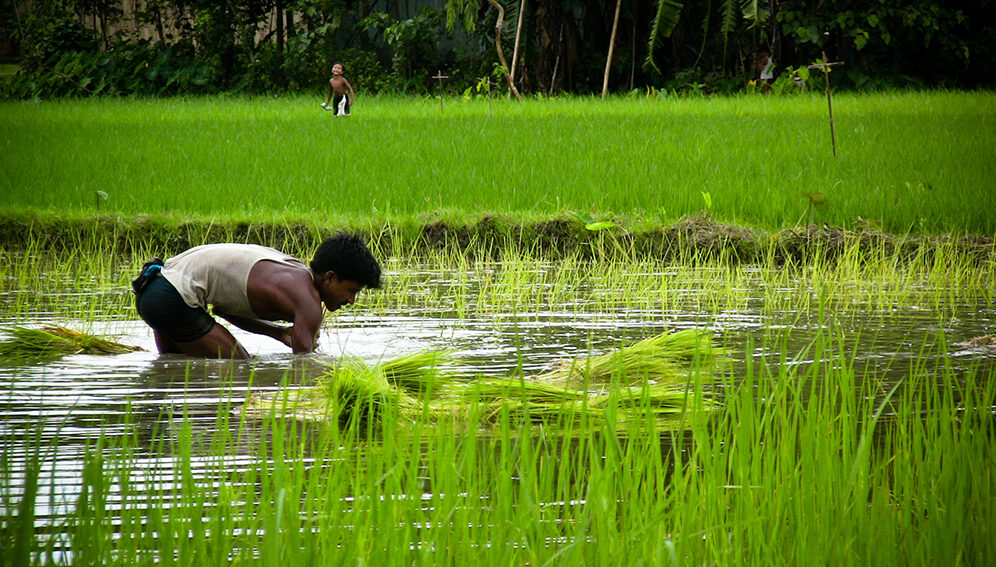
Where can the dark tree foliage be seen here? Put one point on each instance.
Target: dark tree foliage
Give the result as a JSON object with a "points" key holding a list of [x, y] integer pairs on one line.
{"points": [[161, 47]]}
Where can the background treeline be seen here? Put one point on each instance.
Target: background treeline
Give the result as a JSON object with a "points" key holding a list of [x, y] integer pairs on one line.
{"points": [[58, 48]]}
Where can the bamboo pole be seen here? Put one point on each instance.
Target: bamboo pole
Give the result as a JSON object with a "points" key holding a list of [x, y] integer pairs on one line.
{"points": [[612, 45], [518, 35]]}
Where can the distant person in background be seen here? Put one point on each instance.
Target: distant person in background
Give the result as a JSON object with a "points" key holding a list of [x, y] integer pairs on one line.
{"points": [[249, 286], [765, 67], [341, 90]]}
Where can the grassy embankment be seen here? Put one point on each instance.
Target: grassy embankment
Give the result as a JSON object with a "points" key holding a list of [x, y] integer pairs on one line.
{"points": [[179, 172]]}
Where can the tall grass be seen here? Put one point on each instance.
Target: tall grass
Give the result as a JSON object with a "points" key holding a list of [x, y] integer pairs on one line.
{"points": [[909, 161], [91, 283], [805, 464], [853, 285]]}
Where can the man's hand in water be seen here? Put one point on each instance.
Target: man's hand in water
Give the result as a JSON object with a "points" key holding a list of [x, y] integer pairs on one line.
{"points": [[287, 336]]}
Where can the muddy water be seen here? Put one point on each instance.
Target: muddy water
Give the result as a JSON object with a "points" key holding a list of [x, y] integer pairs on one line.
{"points": [[77, 398]]}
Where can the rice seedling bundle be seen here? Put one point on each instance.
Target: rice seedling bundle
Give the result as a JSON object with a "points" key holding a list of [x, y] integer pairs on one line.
{"points": [[419, 372], [567, 415], [360, 395], [666, 358], [354, 393], [660, 399], [492, 390], [53, 341]]}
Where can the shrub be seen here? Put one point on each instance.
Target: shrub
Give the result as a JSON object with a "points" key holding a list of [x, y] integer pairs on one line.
{"points": [[127, 68]]}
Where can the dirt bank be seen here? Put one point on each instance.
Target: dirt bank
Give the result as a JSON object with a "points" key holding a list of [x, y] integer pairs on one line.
{"points": [[695, 237]]}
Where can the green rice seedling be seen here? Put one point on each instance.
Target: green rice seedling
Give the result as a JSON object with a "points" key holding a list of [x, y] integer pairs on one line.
{"points": [[523, 401], [53, 341], [34, 344], [529, 401], [357, 402]]}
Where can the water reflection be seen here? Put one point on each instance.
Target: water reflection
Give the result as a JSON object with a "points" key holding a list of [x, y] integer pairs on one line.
{"points": [[84, 394]]}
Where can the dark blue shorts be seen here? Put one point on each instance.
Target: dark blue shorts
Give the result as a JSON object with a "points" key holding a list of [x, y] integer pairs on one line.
{"points": [[335, 103], [162, 307]]}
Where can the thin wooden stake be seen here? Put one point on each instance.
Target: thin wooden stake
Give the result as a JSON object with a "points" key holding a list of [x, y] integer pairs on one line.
{"points": [[825, 67], [491, 111], [441, 76]]}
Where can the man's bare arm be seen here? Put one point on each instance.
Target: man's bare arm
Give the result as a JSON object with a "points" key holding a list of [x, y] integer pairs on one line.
{"points": [[352, 95], [299, 337], [303, 334], [258, 326], [279, 293]]}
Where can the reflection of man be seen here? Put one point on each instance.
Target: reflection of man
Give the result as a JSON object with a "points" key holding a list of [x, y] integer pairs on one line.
{"points": [[250, 286]]}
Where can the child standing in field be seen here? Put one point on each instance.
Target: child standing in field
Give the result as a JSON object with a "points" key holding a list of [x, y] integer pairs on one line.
{"points": [[340, 88]]}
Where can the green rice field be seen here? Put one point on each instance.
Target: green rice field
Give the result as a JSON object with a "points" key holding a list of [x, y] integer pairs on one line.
{"points": [[909, 162], [545, 378]]}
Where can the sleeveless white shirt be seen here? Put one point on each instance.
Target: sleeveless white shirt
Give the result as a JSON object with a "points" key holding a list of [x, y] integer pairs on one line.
{"points": [[216, 275]]}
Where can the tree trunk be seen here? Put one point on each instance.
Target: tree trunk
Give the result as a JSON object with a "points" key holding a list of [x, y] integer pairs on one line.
{"points": [[160, 29], [612, 46], [279, 9], [501, 56], [546, 24], [556, 62]]}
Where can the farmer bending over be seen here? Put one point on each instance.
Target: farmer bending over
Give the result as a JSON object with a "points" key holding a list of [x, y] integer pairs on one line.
{"points": [[249, 286]]}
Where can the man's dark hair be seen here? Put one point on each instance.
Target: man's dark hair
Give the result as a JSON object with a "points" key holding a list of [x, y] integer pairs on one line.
{"points": [[348, 256]]}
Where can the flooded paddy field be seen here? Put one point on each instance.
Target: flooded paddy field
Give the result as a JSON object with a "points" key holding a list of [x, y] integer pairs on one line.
{"points": [[792, 340]]}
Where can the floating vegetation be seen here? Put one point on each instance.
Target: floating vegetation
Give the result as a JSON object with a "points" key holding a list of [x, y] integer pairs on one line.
{"points": [[52, 341], [647, 379]]}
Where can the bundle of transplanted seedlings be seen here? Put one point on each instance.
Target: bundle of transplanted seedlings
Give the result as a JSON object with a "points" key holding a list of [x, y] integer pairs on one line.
{"points": [[648, 379], [27, 344]]}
